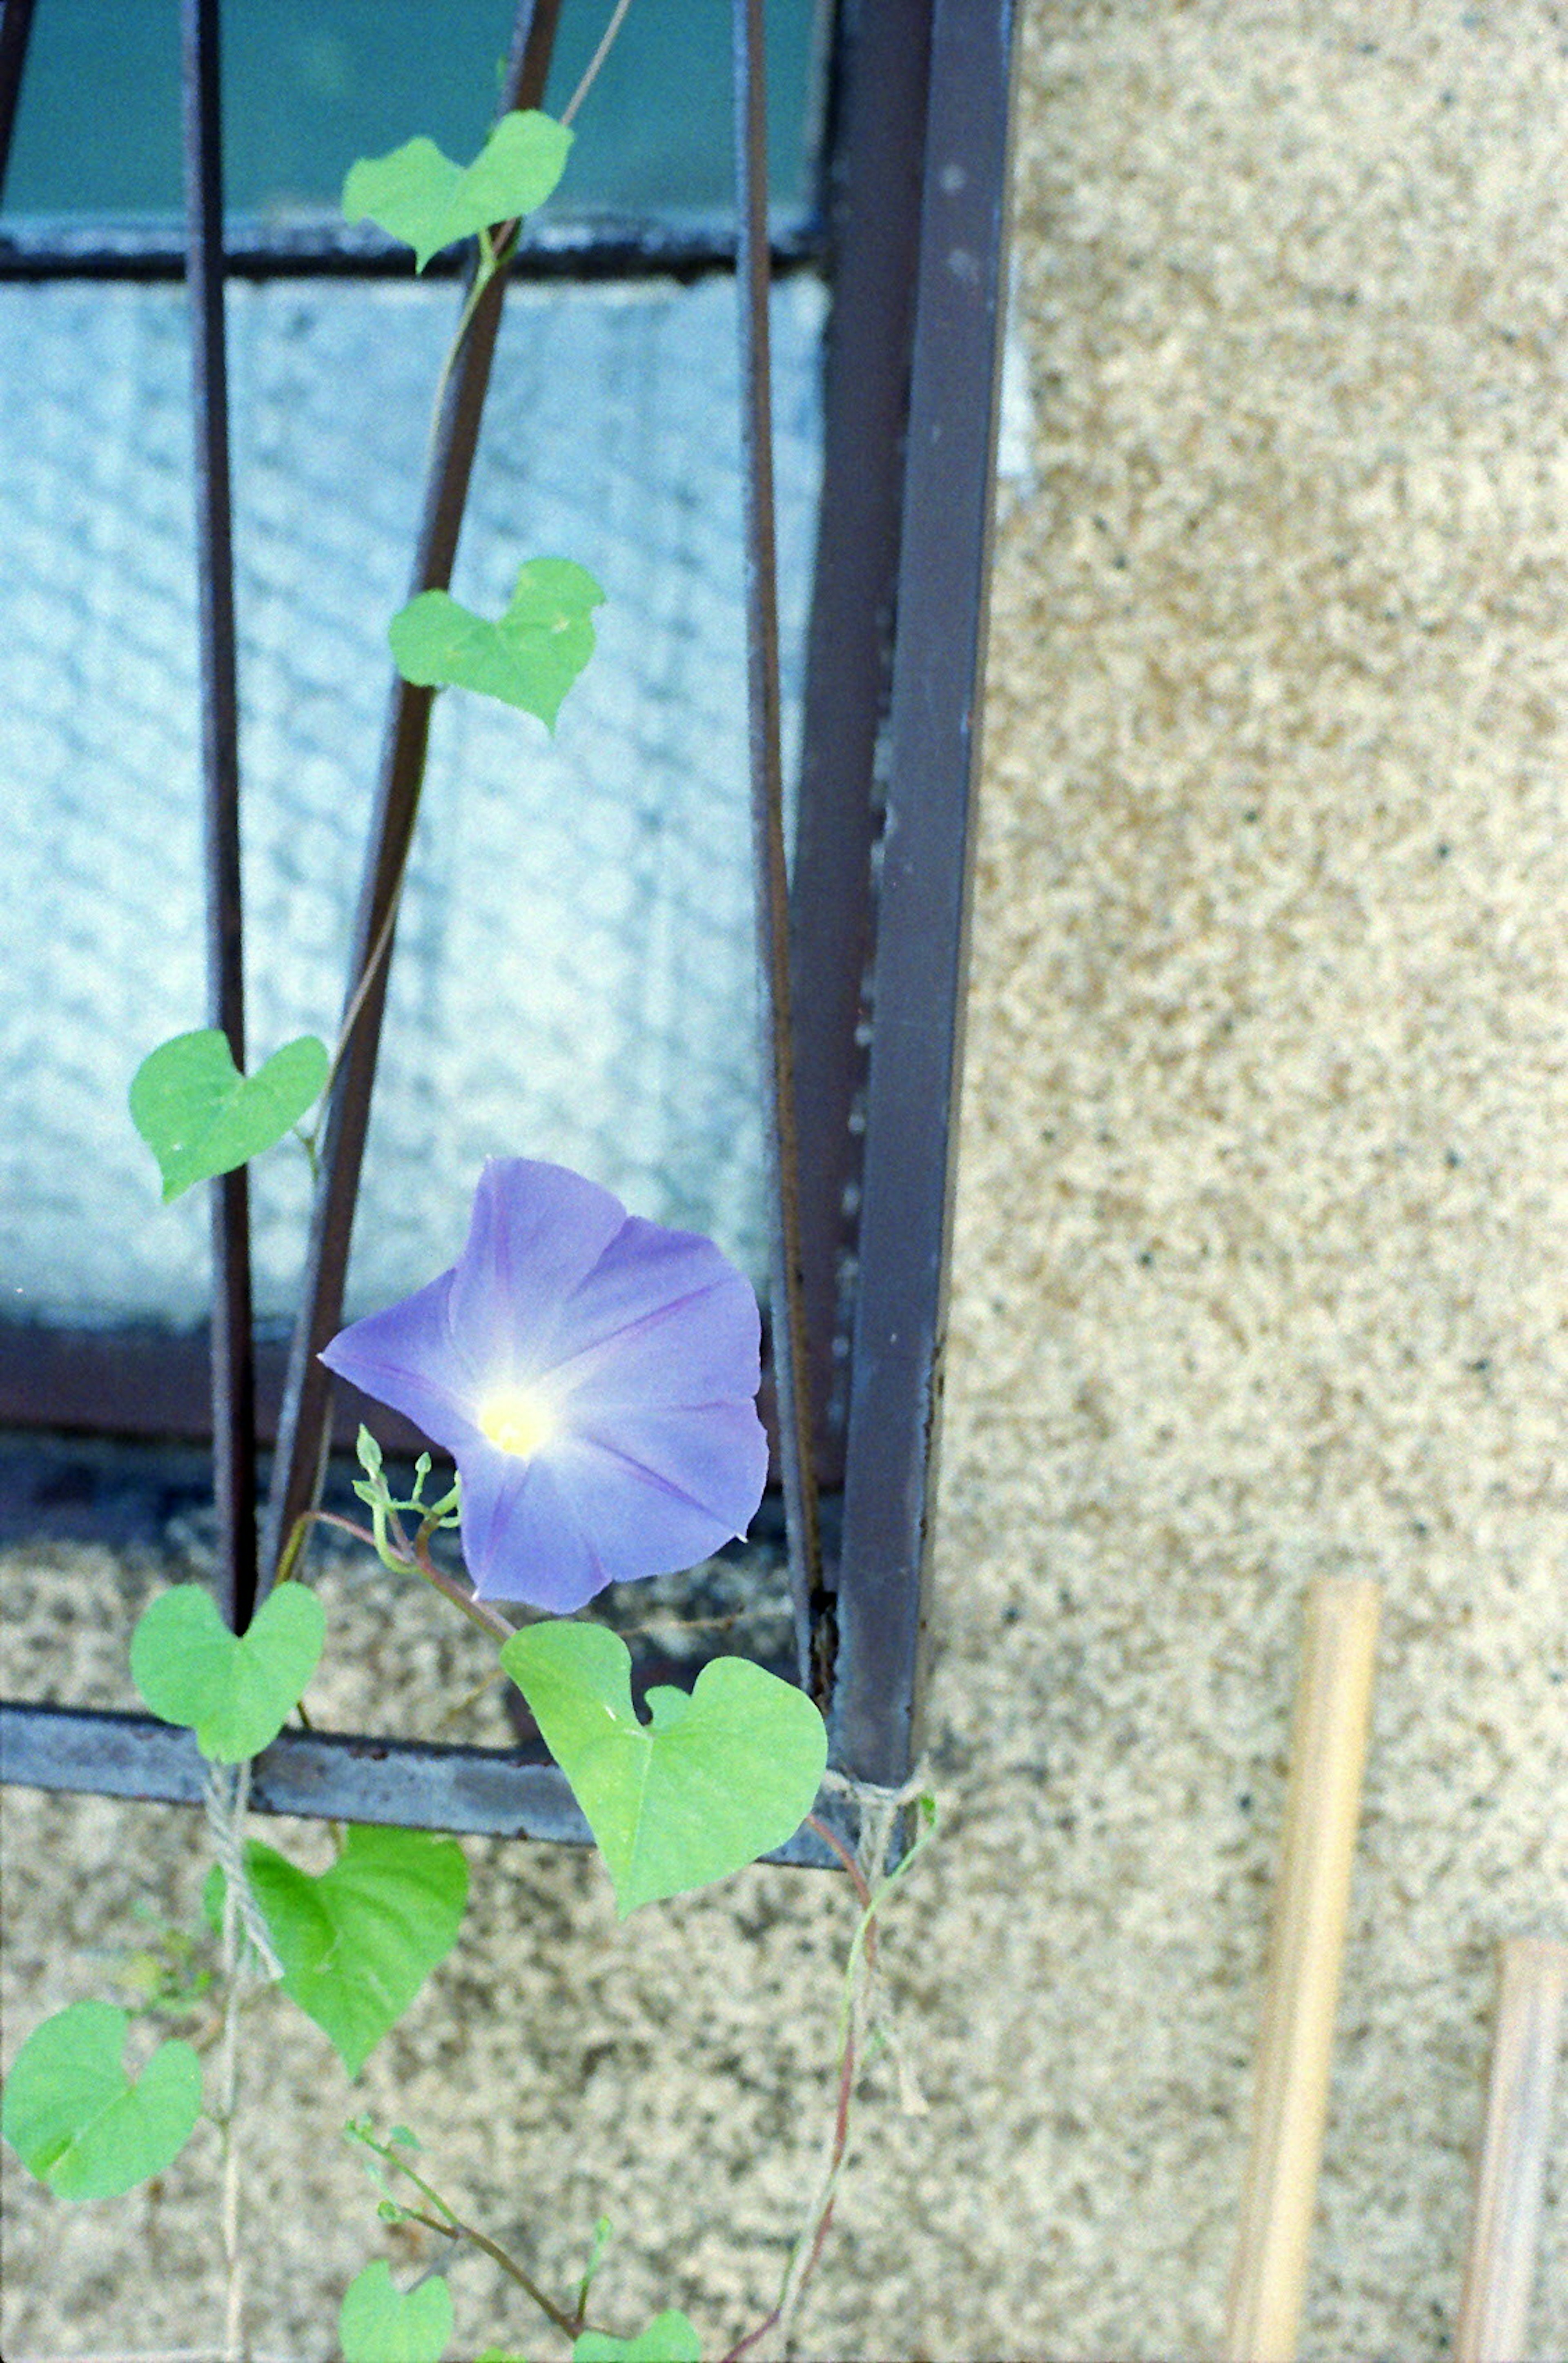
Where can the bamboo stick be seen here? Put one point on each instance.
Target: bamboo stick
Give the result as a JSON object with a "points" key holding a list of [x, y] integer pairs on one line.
{"points": [[1327, 1752], [1494, 2308]]}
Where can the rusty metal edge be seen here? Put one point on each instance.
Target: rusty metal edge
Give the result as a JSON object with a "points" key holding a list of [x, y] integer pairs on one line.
{"points": [[874, 211], [322, 1776], [924, 895]]}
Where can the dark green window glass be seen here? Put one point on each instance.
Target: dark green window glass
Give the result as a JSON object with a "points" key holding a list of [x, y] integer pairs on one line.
{"points": [[310, 84]]}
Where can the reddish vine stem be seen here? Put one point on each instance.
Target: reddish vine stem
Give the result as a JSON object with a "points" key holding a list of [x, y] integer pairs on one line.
{"points": [[840, 2142], [474, 1610], [824, 2222], [417, 1560], [795, 2285], [830, 1837]]}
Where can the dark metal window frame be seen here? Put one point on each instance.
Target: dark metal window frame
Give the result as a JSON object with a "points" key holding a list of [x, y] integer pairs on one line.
{"points": [[872, 955]]}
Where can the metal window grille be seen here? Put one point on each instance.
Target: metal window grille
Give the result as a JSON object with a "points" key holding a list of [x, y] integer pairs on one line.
{"points": [[863, 953]]}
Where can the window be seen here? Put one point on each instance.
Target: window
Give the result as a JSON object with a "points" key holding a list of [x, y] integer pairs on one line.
{"points": [[310, 84], [884, 312]]}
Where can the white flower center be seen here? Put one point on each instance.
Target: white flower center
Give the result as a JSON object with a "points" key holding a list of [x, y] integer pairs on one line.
{"points": [[518, 1421]]}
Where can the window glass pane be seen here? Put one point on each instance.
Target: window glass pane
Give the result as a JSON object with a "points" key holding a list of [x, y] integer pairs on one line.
{"points": [[311, 84], [573, 975]]}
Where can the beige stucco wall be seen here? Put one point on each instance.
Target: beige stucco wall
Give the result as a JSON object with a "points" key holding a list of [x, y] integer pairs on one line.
{"points": [[1259, 1272]]}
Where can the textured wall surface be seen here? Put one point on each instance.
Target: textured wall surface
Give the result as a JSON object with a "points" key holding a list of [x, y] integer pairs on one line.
{"points": [[1260, 1272]]}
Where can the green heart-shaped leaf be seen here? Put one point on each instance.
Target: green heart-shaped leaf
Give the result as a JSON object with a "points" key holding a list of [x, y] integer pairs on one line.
{"points": [[529, 659], [200, 1116], [379, 2323], [357, 1942], [75, 2118], [234, 1691], [420, 196], [669, 2339], [722, 1774]]}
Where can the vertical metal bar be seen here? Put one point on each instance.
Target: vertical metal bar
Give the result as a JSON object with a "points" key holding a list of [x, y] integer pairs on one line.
{"points": [[304, 1425], [923, 903], [786, 1305], [874, 213], [16, 24], [233, 1369]]}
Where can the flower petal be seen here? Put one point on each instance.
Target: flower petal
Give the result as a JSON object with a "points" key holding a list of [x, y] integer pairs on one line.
{"points": [[521, 1539], [637, 1520], [632, 1350], [537, 1231], [663, 1318], [406, 1357], [715, 1456]]}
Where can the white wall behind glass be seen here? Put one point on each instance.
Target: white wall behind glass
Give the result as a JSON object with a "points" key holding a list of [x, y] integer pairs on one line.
{"points": [[574, 972]]}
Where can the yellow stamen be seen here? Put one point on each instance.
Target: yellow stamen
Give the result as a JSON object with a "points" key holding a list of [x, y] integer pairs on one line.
{"points": [[518, 1421]]}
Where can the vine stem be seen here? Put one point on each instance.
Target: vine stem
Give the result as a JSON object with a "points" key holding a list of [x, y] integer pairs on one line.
{"points": [[872, 1886], [497, 243], [418, 1561], [595, 61], [804, 2262], [497, 246], [879, 1809], [474, 1610], [830, 1837], [378, 949], [458, 2230], [455, 2228]]}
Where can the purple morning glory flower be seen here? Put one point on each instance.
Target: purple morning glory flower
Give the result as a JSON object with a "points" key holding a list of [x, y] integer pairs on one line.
{"points": [[593, 1375]]}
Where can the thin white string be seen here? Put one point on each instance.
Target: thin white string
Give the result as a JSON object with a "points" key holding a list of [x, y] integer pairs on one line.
{"points": [[878, 1808], [224, 1801]]}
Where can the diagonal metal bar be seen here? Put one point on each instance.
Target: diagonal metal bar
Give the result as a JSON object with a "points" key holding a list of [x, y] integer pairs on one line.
{"points": [[924, 895], [785, 1294], [233, 1367], [16, 24], [305, 1425]]}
